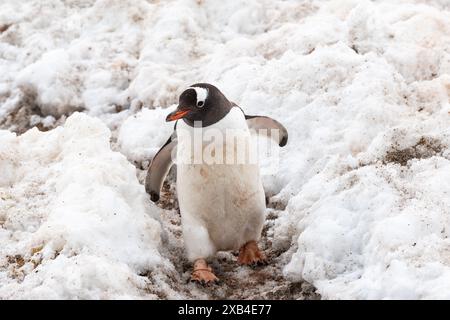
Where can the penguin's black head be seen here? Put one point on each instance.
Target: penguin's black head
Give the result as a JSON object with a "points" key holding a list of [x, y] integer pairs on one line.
{"points": [[202, 103]]}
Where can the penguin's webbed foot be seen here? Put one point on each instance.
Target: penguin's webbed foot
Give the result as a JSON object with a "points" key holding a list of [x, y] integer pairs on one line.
{"points": [[250, 255], [203, 274]]}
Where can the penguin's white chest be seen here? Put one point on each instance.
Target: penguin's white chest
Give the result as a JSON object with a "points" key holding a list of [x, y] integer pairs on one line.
{"points": [[219, 188]]}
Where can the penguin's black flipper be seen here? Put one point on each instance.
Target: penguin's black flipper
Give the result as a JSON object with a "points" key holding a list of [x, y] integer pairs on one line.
{"points": [[268, 126], [159, 168]]}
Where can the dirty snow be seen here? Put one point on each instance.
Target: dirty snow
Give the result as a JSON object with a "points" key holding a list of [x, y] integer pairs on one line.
{"points": [[359, 207]]}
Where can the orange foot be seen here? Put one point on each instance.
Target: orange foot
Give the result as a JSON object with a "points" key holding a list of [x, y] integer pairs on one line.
{"points": [[202, 273], [250, 255]]}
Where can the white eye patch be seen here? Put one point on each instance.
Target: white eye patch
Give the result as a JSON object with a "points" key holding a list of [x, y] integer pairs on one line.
{"points": [[202, 94]]}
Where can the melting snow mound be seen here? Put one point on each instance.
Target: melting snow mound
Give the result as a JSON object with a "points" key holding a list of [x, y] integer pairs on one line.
{"points": [[74, 221]]}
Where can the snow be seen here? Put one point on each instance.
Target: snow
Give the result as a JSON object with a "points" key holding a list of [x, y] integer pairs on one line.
{"points": [[74, 215], [361, 195], [141, 135]]}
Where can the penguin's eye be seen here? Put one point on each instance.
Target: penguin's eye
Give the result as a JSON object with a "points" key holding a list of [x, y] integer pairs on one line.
{"points": [[200, 104]]}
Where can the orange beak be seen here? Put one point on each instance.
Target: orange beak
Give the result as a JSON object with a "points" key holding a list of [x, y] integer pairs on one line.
{"points": [[177, 114]]}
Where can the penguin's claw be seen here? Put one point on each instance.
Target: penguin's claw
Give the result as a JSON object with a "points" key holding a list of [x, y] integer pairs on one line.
{"points": [[203, 274], [204, 277], [250, 255]]}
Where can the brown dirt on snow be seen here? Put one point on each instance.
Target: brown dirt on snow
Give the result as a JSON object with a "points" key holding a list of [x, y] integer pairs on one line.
{"points": [[423, 149]]}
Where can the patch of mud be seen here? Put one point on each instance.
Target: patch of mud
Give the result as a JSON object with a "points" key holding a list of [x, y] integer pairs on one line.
{"points": [[4, 27], [278, 205], [18, 118], [18, 266], [423, 149], [24, 118], [27, 114]]}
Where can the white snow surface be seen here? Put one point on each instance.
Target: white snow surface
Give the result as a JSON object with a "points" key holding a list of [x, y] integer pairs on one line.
{"points": [[75, 214], [363, 88]]}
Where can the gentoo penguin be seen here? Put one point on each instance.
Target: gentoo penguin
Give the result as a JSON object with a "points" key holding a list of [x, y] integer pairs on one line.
{"points": [[221, 198]]}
